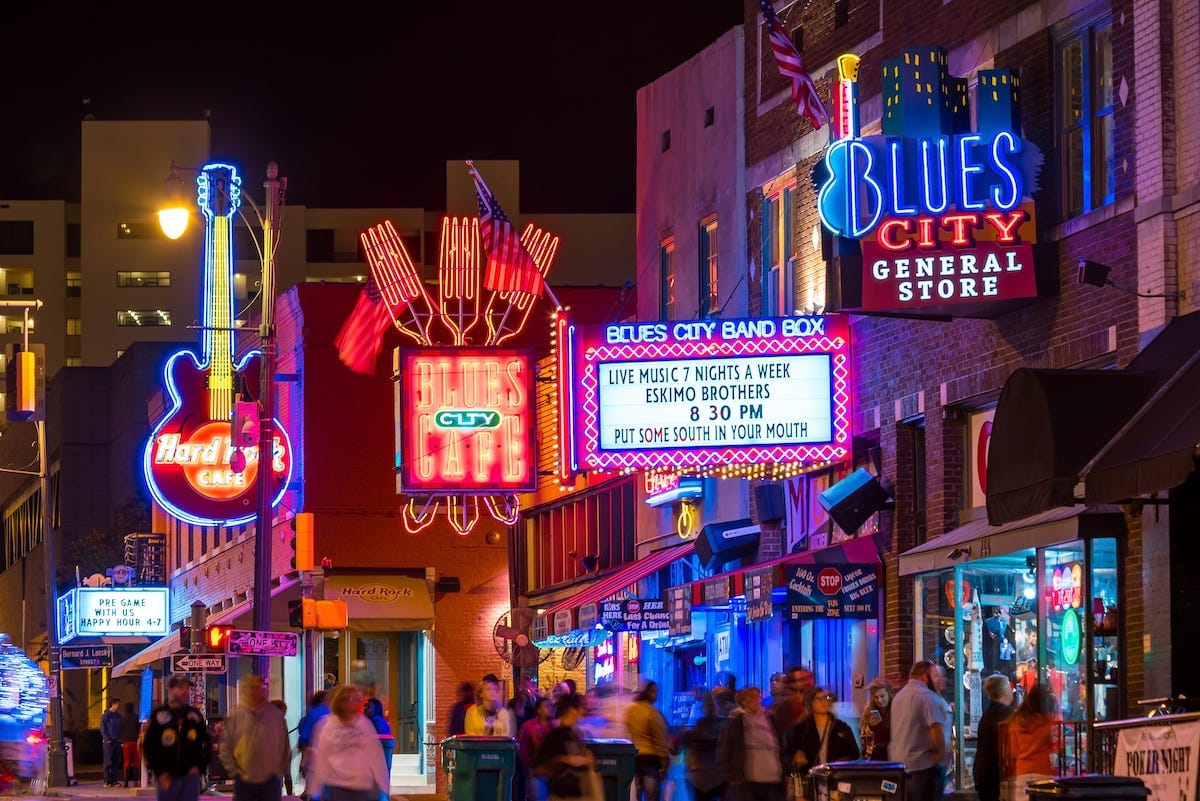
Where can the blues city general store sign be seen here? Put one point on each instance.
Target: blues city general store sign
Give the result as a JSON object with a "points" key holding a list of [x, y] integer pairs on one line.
{"points": [[942, 214]]}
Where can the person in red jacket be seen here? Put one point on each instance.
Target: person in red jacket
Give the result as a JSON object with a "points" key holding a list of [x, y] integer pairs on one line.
{"points": [[533, 731]]}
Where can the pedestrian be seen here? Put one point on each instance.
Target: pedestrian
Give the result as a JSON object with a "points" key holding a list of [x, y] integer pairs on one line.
{"points": [[875, 728], [465, 697], [131, 728], [920, 732], [1031, 739], [750, 750], [819, 737], [255, 750], [318, 709], [702, 770], [562, 759], [373, 709], [787, 710], [176, 745], [776, 688], [348, 757], [490, 716], [648, 730], [287, 776], [986, 769], [110, 734], [528, 740]]}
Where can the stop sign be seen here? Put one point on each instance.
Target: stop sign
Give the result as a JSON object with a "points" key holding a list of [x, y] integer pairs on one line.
{"points": [[829, 581]]}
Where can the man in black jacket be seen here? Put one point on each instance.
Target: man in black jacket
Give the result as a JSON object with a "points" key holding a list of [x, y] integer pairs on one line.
{"points": [[986, 768], [176, 746], [110, 734]]}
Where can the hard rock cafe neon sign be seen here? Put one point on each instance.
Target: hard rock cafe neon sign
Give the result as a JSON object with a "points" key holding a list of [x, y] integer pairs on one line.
{"points": [[187, 460]]}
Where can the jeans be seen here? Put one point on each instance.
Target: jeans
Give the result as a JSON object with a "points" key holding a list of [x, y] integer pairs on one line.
{"points": [[926, 785], [331, 793], [181, 788], [648, 775], [759, 791], [257, 791], [113, 760]]}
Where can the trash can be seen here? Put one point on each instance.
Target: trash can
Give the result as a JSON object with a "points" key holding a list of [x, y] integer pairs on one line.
{"points": [[479, 768], [614, 765], [857, 779], [1110, 788]]}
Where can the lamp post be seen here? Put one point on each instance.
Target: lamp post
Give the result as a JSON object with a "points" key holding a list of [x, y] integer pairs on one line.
{"points": [[173, 222]]}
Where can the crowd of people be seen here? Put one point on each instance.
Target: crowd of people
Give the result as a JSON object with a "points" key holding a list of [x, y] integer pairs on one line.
{"points": [[737, 745]]}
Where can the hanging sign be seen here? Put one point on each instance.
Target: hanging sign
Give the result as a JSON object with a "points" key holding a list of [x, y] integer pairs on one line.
{"points": [[758, 593], [635, 615], [1164, 757], [832, 591], [943, 214], [716, 592]]}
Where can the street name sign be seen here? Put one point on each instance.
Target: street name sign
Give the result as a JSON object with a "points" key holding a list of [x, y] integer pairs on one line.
{"points": [[263, 643], [198, 663], [86, 656]]}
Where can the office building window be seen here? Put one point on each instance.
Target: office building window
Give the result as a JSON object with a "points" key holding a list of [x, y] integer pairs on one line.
{"points": [[144, 317], [74, 361], [710, 299], [666, 279], [16, 237], [134, 278], [74, 285], [74, 326], [1085, 116], [127, 230], [775, 226]]}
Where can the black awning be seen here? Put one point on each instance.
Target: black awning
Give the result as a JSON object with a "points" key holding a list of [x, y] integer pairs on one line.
{"points": [[1048, 426], [1156, 449]]}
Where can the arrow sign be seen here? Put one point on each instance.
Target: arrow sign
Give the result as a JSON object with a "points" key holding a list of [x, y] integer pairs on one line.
{"points": [[86, 656], [263, 643], [198, 663]]}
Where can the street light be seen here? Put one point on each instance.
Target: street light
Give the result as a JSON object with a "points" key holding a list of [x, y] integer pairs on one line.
{"points": [[173, 221]]}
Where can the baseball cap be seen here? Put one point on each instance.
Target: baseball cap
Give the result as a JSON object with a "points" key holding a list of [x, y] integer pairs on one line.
{"points": [[179, 680]]}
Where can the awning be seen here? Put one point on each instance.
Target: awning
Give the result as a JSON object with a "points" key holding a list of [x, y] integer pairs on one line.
{"points": [[237, 614], [1156, 449], [1061, 524], [1048, 424], [629, 574], [1123, 433], [383, 602]]}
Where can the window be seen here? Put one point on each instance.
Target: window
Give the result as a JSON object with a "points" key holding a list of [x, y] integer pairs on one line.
{"points": [[74, 326], [74, 285], [74, 232], [666, 279], [841, 12], [798, 38], [144, 317], [128, 230], [74, 361], [1085, 117], [16, 237], [776, 229], [710, 114], [710, 299], [160, 278], [666, 140], [319, 244]]}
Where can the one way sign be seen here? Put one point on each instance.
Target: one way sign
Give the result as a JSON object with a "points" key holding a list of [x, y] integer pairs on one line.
{"points": [[198, 663]]}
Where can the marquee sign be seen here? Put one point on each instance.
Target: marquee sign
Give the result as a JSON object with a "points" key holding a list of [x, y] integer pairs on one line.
{"points": [[466, 420], [943, 215], [113, 612], [703, 394], [190, 456]]}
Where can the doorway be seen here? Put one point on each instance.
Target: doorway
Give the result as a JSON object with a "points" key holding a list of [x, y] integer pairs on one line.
{"points": [[388, 666]]}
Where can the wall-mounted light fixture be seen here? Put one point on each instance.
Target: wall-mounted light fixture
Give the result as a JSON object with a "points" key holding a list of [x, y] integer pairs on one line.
{"points": [[959, 553], [1093, 273]]}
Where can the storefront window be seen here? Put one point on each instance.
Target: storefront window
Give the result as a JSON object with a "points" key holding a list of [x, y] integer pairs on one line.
{"points": [[1105, 643], [1063, 655]]}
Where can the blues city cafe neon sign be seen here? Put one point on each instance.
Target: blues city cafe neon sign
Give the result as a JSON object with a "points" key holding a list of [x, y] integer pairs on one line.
{"points": [[943, 214]]}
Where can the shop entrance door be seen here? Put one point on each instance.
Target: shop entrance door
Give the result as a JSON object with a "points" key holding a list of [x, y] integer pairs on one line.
{"points": [[387, 665]]}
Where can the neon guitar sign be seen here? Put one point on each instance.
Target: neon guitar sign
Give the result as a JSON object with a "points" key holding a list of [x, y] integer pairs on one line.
{"points": [[187, 458]]}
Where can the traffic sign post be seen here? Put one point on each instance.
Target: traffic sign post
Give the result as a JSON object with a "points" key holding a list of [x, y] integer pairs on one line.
{"points": [[85, 656], [262, 643], [198, 663]]}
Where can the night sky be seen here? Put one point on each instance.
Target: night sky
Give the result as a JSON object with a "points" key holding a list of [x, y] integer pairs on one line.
{"points": [[360, 107]]}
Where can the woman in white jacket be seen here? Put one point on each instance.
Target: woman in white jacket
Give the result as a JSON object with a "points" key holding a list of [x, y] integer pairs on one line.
{"points": [[348, 756]]}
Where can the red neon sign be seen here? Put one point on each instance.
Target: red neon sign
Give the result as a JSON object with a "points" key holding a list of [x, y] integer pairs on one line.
{"points": [[465, 421]]}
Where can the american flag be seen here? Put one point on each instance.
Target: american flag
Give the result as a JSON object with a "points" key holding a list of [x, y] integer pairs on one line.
{"points": [[791, 66], [510, 268], [361, 336]]}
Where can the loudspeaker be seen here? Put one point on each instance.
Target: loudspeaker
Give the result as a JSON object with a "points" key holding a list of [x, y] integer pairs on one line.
{"points": [[854, 499], [718, 543], [768, 501]]}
